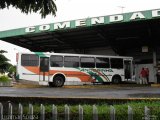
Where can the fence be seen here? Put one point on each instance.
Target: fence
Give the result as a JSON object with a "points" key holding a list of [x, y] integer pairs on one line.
{"points": [[67, 112]]}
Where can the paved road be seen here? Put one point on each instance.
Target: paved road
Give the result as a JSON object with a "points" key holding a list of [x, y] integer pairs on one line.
{"points": [[116, 92]]}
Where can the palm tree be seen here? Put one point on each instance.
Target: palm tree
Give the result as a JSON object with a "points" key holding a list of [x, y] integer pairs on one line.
{"points": [[44, 7], [4, 64]]}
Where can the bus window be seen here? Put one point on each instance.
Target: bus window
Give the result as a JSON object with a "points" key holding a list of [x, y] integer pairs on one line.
{"points": [[71, 61], [116, 63], [102, 62], [87, 62], [56, 61], [29, 60]]}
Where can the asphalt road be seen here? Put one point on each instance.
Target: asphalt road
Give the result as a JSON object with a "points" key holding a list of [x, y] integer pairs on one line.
{"points": [[115, 92]]}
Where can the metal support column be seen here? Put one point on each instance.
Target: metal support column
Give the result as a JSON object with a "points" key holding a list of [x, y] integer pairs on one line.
{"points": [[155, 64]]}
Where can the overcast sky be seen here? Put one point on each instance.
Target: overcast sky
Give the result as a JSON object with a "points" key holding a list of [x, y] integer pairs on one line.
{"points": [[68, 10]]}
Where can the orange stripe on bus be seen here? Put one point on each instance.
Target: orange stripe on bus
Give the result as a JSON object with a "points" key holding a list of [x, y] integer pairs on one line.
{"points": [[32, 69], [100, 74], [84, 77]]}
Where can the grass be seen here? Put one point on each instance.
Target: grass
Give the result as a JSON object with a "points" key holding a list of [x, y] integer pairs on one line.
{"points": [[103, 110], [4, 78]]}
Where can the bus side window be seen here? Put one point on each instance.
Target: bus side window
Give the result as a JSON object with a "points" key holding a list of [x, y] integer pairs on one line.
{"points": [[71, 61], [56, 61], [102, 62], [29, 60], [87, 62], [116, 63]]}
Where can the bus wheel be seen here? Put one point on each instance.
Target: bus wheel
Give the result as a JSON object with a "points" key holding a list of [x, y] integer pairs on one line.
{"points": [[58, 81], [116, 80]]}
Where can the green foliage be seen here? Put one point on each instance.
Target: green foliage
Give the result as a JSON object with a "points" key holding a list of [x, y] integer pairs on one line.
{"points": [[4, 64], [4, 79], [11, 70], [2, 51], [103, 110], [44, 7]]}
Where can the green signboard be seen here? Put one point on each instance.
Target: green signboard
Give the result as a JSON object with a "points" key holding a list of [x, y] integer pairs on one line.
{"points": [[87, 22]]}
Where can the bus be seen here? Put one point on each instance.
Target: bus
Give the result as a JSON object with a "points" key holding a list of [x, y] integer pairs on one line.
{"points": [[58, 69]]}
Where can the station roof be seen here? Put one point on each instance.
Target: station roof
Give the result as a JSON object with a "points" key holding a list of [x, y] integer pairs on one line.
{"points": [[124, 31]]}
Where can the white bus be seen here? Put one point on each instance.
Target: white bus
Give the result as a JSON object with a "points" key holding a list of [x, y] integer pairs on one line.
{"points": [[58, 69]]}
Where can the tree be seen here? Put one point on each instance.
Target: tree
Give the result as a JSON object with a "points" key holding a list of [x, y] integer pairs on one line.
{"points": [[44, 7], [4, 64]]}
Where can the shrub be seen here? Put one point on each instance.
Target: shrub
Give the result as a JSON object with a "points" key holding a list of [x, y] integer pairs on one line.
{"points": [[4, 79], [103, 111]]}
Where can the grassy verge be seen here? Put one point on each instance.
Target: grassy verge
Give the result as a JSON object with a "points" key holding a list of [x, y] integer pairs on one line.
{"points": [[103, 110], [4, 79]]}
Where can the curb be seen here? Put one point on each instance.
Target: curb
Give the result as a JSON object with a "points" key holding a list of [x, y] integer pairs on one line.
{"points": [[155, 85], [75, 100]]}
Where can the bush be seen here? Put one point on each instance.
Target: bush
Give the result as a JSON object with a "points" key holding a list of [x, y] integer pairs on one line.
{"points": [[4, 79]]}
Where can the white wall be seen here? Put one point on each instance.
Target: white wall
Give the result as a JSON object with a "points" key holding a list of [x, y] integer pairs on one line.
{"points": [[152, 71]]}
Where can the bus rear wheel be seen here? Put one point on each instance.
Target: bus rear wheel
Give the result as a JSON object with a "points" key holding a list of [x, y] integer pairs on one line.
{"points": [[58, 81], [116, 79]]}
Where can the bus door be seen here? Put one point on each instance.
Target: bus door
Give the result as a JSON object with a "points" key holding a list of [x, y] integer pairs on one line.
{"points": [[128, 70], [44, 69]]}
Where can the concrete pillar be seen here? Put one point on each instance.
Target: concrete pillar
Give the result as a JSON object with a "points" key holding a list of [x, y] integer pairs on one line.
{"points": [[154, 65], [154, 58]]}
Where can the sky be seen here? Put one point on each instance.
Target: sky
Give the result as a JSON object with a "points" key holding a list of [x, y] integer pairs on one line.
{"points": [[67, 10]]}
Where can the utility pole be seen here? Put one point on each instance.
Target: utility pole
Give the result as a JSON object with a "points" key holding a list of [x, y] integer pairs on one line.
{"points": [[122, 8]]}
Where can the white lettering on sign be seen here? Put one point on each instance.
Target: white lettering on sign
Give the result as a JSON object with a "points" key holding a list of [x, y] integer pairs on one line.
{"points": [[155, 13], [97, 20], [116, 18], [61, 25], [80, 23], [30, 29], [137, 15], [44, 27]]}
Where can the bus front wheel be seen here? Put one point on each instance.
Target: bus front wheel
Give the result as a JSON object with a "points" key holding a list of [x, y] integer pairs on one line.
{"points": [[58, 81], [116, 79]]}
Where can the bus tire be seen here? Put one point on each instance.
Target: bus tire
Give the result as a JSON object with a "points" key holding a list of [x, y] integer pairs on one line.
{"points": [[58, 81], [116, 79]]}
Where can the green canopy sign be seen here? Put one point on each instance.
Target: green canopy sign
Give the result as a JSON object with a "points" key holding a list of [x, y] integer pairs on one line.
{"points": [[87, 22]]}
